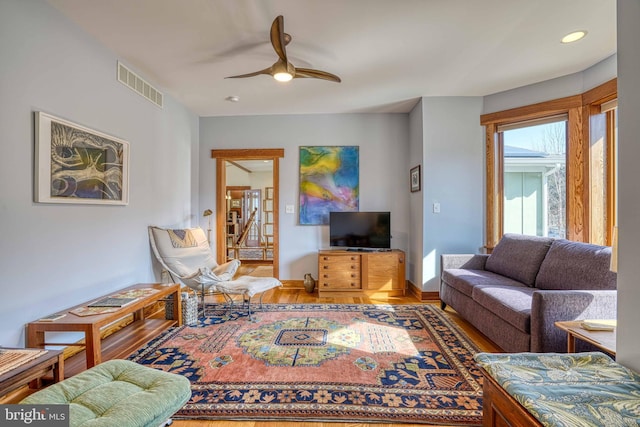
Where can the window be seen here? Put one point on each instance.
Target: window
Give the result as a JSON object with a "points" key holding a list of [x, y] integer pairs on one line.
{"points": [[603, 148], [534, 177], [551, 168]]}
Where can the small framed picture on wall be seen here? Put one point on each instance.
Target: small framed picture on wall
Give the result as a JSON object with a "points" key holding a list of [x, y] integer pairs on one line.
{"points": [[415, 179]]}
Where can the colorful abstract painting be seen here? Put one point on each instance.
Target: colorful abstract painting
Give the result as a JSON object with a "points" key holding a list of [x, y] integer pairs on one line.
{"points": [[329, 179]]}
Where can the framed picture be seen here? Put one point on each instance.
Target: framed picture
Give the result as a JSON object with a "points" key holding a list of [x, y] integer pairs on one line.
{"points": [[415, 179], [329, 182], [236, 203], [75, 164]]}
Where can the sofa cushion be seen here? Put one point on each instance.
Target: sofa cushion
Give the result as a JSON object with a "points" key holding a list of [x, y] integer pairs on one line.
{"points": [[519, 257], [464, 280], [511, 303], [575, 265]]}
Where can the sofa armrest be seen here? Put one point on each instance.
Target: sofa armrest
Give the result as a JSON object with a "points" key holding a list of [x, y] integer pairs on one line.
{"points": [[468, 261], [551, 306]]}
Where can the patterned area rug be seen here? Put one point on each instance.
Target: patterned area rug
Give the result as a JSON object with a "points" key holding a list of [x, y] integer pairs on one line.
{"points": [[318, 362]]}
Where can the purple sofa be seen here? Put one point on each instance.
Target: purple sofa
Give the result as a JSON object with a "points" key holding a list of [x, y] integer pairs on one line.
{"points": [[515, 295]]}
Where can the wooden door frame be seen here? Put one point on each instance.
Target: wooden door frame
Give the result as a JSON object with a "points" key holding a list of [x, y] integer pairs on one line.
{"points": [[223, 156]]}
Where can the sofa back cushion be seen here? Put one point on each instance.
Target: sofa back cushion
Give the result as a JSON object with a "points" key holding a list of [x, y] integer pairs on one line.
{"points": [[519, 257], [575, 265]]}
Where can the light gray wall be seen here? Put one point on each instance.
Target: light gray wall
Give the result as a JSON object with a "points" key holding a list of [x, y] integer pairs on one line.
{"points": [[54, 256], [384, 148], [416, 137], [561, 87], [628, 344], [453, 166]]}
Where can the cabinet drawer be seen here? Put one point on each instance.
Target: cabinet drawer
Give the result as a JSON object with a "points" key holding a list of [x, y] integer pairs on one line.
{"points": [[339, 266], [339, 280], [339, 259]]}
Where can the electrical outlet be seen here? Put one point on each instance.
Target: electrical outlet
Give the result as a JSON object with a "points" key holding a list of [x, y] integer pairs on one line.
{"points": [[436, 207], [289, 209]]}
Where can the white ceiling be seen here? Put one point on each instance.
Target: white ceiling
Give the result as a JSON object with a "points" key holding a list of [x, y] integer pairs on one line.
{"points": [[387, 52]]}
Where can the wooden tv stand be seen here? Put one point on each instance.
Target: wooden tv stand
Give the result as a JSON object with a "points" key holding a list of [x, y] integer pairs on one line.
{"points": [[366, 272]]}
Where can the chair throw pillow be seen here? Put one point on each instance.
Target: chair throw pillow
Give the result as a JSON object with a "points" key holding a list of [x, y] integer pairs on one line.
{"points": [[182, 238]]}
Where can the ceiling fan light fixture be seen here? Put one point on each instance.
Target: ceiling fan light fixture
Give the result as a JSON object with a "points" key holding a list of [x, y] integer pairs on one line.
{"points": [[282, 76], [283, 70]]}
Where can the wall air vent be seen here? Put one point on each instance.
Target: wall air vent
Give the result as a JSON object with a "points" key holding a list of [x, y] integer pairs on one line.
{"points": [[139, 85]]}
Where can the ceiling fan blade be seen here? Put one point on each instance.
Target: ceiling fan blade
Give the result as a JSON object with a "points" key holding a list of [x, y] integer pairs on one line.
{"points": [[257, 73], [278, 37], [316, 74]]}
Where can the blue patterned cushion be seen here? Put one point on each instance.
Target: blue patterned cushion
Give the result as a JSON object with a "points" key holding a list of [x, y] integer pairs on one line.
{"points": [[581, 389]]}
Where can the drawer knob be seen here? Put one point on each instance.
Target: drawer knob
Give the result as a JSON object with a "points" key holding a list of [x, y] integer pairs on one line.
{"points": [[326, 258], [326, 267]]}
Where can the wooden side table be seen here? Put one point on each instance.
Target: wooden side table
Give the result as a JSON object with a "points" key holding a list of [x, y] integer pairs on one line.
{"points": [[604, 340], [32, 371], [90, 325]]}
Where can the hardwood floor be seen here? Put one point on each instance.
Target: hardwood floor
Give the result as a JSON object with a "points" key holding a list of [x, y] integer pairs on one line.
{"points": [[293, 296]]}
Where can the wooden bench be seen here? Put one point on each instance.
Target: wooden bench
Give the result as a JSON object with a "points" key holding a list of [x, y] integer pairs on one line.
{"points": [[536, 389]]}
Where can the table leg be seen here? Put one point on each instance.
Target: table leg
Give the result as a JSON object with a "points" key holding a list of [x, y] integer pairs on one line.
{"points": [[138, 315], [58, 369], [92, 349], [571, 343], [177, 307], [35, 337]]}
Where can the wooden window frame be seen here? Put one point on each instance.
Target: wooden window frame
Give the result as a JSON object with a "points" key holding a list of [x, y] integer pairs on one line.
{"points": [[578, 109]]}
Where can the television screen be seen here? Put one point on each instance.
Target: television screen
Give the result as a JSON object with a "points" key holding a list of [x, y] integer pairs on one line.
{"points": [[366, 230]]}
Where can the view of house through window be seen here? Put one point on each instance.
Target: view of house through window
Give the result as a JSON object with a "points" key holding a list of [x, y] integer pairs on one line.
{"points": [[535, 172]]}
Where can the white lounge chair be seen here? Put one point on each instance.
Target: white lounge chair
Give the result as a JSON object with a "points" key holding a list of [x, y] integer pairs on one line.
{"points": [[186, 255]]}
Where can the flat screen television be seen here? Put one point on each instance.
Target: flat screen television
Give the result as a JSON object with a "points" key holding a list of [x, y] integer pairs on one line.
{"points": [[360, 230]]}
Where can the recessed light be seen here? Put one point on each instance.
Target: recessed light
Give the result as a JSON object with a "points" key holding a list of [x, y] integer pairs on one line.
{"points": [[574, 36], [232, 98]]}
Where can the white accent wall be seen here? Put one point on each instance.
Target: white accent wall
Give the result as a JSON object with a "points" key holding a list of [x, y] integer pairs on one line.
{"points": [[628, 342], [384, 176], [53, 256]]}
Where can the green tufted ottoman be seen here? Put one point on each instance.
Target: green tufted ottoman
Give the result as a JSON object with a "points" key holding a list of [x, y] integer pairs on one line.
{"points": [[118, 393]]}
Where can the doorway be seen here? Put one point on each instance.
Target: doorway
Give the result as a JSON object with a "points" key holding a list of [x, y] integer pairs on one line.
{"points": [[247, 206]]}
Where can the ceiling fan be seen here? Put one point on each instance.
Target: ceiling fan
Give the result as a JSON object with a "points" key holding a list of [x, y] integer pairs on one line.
{"points": [[283, 70]]}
